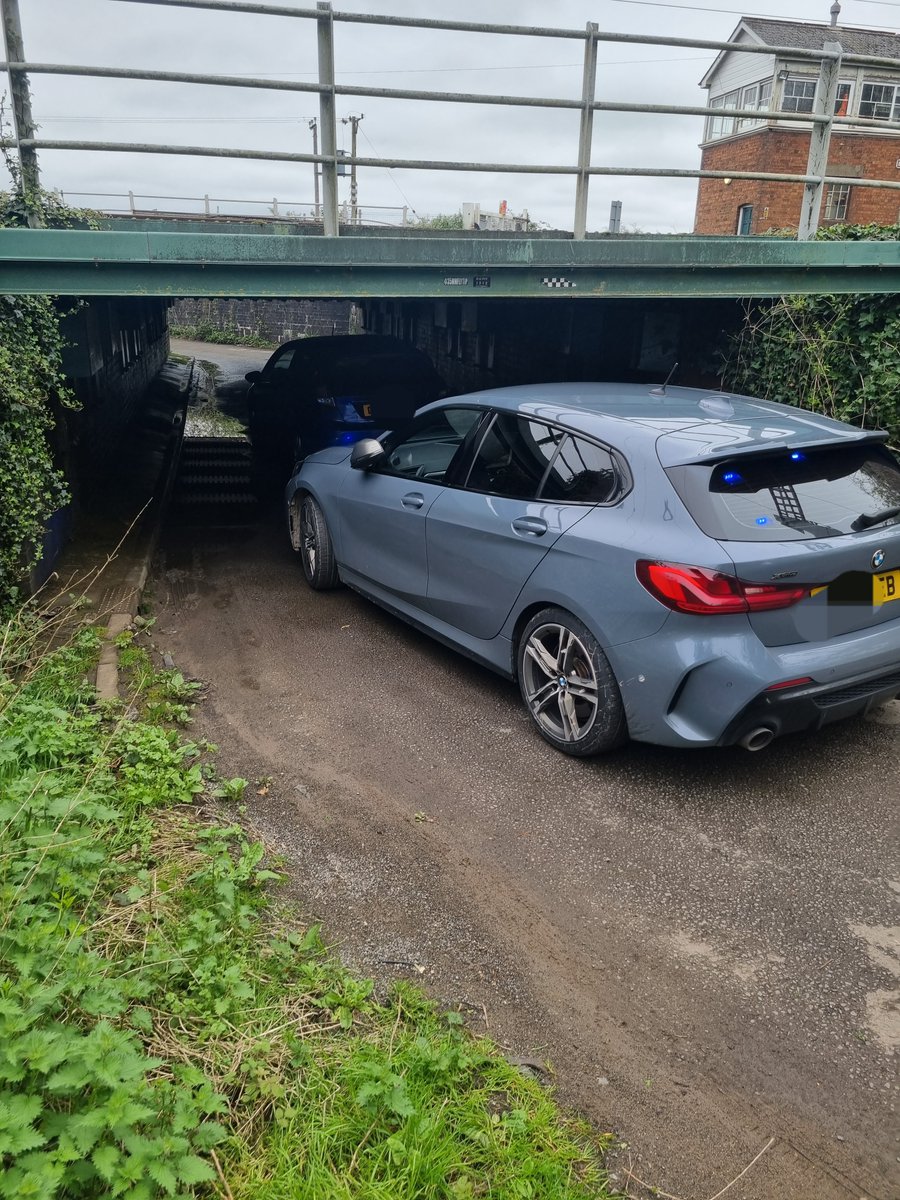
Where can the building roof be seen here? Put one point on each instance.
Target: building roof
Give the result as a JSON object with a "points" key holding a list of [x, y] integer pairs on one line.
{"points": [[807, 36]]}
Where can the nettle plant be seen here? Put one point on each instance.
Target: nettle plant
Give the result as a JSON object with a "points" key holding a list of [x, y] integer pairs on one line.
{"points": [[835, 354]]}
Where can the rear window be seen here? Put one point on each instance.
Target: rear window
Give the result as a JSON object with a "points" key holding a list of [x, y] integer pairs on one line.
{"points": [[793, 495], [366, 373]]}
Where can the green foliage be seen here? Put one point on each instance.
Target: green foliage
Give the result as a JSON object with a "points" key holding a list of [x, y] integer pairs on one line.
{"points": [[835, 354], [230, 335], [154, 1011], [31, 387], [31, 381], [441, 221]]}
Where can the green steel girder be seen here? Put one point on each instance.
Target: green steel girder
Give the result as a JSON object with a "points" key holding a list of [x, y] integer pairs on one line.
{"points": [[241, 263]]}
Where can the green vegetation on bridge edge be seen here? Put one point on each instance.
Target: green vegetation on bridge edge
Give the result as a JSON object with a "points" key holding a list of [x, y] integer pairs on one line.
{"points": [[835, 354], [167, 1030]]}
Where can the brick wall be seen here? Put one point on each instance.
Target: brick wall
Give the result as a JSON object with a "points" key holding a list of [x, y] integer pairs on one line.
{"points": [[777, 205], [498, 343], [116, 347], [274, 320]]}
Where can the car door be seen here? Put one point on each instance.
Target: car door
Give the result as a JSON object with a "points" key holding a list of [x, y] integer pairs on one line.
{"points": [[382, 512], [273, 398], [527, 486]]}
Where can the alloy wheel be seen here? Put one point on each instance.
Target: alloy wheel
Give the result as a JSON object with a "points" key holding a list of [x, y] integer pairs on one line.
{"points": [[559, 683]]}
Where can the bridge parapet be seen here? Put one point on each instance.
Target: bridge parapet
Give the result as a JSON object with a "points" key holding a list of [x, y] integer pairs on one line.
{"points": [[153, 262]]}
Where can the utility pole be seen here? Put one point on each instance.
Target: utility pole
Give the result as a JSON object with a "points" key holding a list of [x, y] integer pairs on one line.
{"points": [[354, 125], [315, 134], [20, 96]]}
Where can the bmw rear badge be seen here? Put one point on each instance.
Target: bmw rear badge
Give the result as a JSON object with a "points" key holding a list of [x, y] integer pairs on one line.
{"points": [[877, 559]]}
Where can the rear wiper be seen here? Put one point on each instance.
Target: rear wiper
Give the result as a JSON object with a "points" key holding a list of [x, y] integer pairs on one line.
{"points": [[867, 520], [809, 527]]}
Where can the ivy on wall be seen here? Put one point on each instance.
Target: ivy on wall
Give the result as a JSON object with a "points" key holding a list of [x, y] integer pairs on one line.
{"points": [[33, 390], [838, 355], [31, 382]]}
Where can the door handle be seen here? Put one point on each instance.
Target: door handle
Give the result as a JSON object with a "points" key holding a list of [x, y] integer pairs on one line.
{"points": [[412, 500], [531, 526]]}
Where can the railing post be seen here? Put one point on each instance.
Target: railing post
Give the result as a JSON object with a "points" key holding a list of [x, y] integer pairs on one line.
{"points": [[327, 118], [588, 91], [819, 141], [23, 122]]}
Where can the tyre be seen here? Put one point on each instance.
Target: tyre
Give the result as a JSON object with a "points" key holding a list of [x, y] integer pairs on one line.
{"points": [[311, 538], [568, 686]]}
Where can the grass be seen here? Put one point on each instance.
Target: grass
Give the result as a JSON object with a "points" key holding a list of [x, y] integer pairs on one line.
{"points": [[166, 1029]]}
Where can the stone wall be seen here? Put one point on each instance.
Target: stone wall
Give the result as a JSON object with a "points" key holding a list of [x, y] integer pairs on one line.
{"points": [[274, 321]]}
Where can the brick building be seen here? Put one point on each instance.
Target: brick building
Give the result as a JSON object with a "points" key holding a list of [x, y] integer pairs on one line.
{"points": [[778, 83]]}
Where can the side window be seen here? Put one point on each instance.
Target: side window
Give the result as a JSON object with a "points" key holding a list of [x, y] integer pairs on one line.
{"points": [[582, 473], [513, 457], [427, 449], [279, 363]]}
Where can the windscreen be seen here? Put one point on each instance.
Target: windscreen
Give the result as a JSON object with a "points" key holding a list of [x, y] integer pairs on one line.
{"points": [[366, 373], [792, 495]]}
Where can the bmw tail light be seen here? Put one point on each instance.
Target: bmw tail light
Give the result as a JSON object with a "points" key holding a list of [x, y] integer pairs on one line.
{"points": [[701, 590]]}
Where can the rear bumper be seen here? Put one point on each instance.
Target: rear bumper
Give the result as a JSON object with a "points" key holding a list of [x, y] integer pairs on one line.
{"points": [[809, 707], [702, 681]]}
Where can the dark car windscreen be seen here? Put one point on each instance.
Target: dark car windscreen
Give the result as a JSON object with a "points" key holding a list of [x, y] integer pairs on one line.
{"points": [[792, 494], [364, 373]]}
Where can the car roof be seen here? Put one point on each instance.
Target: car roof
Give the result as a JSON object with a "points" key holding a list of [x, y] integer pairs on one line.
{"points": [[363, 343], [686, 424]]}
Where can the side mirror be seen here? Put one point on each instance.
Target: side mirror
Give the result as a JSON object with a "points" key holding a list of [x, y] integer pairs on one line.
{"points": [[253, 376], [365, 454]]}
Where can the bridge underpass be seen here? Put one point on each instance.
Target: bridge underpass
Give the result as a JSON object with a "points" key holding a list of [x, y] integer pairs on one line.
{"points": [[632, 918]]}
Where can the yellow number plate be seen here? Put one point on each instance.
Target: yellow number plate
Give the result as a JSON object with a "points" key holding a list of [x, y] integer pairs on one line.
{"points": [[885, 587]]}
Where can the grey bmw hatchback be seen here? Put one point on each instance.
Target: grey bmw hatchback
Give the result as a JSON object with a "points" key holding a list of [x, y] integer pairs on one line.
{"points": [[669, 565]]}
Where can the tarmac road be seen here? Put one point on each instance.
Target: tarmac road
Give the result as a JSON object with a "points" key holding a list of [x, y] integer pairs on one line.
{"points": [[703, 945]]}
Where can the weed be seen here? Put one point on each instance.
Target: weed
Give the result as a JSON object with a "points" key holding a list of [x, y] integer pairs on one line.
{"points": [[162, 1028]]}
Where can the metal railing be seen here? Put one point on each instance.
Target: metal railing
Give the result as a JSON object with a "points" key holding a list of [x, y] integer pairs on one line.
{"points": [[229, 207], [822, 120]]}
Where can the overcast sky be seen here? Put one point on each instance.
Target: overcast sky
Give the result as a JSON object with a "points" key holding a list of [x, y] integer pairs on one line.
{"points": [[125, 34]]}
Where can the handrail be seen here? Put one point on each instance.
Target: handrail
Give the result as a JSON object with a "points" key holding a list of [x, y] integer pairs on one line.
{"points": [[821, 121]]}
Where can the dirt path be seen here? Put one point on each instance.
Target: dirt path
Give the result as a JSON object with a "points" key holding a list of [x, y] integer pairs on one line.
{"points": [[698, 943], [704, 946]]}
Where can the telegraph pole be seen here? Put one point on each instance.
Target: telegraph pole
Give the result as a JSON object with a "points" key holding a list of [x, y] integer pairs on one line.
{"points": [[20, 97], [354, 125], [315, 134]]}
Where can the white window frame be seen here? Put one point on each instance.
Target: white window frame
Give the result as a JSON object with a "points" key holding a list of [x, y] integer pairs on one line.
{"points": [[743, 208], [892, 105], [837, 202], [844, 83], [793, 103], [752, 97], [722, 127]]}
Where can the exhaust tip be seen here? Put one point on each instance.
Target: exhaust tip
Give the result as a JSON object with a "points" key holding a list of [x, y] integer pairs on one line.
{"points": [[757, 739]]}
